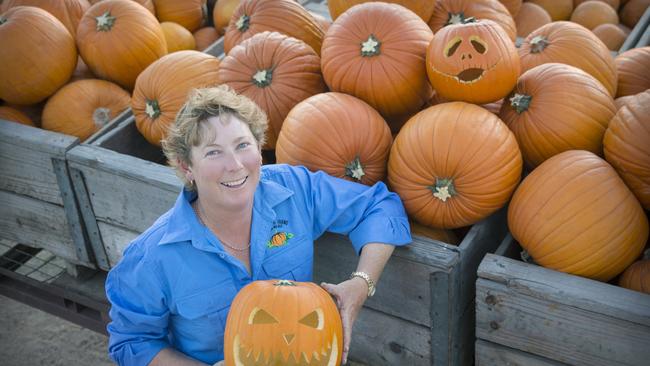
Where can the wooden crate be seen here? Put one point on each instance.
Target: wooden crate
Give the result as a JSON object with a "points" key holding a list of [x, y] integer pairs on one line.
{"points": [[530, 315], [38, 204], [422, 313]]}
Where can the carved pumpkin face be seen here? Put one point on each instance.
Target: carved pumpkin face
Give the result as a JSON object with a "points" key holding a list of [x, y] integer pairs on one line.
{"points": [[279, 322], [474, 62]]}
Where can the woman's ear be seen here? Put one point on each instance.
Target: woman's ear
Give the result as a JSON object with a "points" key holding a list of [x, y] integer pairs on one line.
{"points": [[185, 169]]}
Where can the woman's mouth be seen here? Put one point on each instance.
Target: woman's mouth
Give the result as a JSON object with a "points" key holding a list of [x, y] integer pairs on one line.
{"points": [[235, 183]]}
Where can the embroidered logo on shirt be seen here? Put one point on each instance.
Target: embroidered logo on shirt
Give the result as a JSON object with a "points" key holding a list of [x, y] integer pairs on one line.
{"points": [[279, 239]]}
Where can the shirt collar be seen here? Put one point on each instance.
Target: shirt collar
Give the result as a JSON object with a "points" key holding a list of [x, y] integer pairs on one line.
{"points": [[183, 225]]}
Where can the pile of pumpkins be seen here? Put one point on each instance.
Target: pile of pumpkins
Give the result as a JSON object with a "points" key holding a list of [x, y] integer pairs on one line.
{"points": [[435, 99]]}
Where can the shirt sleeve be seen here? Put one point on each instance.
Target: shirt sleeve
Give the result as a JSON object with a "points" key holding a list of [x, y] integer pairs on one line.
{"points": [[366, 214], [139, 314]]}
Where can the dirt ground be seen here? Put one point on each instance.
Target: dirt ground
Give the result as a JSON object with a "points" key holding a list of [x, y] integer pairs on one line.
{"points": [[31, 337]]}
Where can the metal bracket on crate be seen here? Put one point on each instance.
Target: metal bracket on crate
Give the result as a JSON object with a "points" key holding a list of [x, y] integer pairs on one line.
{"points": [[89, 219]]}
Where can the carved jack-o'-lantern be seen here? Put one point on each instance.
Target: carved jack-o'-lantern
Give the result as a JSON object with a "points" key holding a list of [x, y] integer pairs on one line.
{"points": [[280, 322], [474, 62]]}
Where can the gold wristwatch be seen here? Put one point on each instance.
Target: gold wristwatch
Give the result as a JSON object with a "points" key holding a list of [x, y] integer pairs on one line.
{"points": [[369, 281]]}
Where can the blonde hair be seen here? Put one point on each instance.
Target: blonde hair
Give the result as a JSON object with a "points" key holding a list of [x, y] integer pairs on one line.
{"points": [[189, 129]]}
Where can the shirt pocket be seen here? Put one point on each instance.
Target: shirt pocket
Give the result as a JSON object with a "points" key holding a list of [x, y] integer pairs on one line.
{"points": [[201, 317], [293, 262]]}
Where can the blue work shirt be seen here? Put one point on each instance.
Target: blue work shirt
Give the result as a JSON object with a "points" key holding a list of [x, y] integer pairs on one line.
{"points": [[175, 282]]}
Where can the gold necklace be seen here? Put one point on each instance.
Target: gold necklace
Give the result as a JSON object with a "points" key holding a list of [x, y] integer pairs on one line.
{"points": [[198, 215]]}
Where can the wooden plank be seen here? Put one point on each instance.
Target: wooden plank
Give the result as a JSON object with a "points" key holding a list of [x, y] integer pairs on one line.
{"points": [[36, 223], [636, 36], [401, 292], [115, 239], [512, 315], [379, 339], [488, 354], [565, 289], [115, 122], [126, 139], [26, 164]]}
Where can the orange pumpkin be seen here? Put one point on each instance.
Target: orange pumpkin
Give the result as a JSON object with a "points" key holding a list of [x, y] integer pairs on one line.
{"points": [[47, 55], [621, 101], [118, 39], [632, 12], [613, 3], [473, 62], [81, 71], [205, 37], [571, 44], [513, 6], [632, 67], [377, 52], [494, 107], [324, 22], [283, 16], [593, 13], [627, 148], [457, 11], [222, 13], [276, 72], [82, 107], [285, 321], [14, 115], [338, 134], [445, 236], [162, 88], [574, 214], [612, 36], [423, 9], [581, 110], [557, 9], [530, 17], [454, 164], [637, 276], [191, 14], [177, 37], [147, 4], [69, 12]]}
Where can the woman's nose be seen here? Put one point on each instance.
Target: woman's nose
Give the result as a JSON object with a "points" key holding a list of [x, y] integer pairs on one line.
{"points": [[234, 163]]}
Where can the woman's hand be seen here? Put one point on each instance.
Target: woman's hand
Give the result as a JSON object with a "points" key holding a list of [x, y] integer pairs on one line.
{"points": [[350, 296]]}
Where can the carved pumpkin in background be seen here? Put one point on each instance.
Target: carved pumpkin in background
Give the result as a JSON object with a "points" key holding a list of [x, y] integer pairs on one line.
{"points": [[280, 322], [473, 62]]}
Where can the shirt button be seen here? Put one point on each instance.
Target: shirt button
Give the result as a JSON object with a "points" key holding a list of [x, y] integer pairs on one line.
{"points": [[222, 255]]}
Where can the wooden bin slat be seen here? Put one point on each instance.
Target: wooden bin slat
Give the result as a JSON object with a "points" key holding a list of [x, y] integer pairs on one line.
{"points": [[489, 354], [559, 316]]}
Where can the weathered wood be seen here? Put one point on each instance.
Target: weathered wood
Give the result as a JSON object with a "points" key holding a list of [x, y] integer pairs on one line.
{"points": [[489, 354], [36, 223], [561, 317], [562, 288], [381, 339], [110, 126], [640, 34], [216, 49], [115, 239], [126, 139], [26, 164]]}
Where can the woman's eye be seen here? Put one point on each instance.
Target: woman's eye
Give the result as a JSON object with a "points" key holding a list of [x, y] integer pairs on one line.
{"points": [[243, 145], [212, 153]]}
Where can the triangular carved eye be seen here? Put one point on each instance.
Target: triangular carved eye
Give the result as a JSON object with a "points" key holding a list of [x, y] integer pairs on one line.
{"points": [[315, 319], [261, 316]]}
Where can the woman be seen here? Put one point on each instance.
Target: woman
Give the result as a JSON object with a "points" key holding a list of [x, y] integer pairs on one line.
{"points": [[235, 222]]}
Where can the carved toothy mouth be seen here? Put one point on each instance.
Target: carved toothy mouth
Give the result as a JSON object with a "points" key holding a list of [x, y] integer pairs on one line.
{"points": [[470, 75], [245, 357]]}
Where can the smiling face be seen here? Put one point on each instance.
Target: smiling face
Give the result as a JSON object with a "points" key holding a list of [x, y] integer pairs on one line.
{"points": [[283, 323], [473, 62], [226, 164]]}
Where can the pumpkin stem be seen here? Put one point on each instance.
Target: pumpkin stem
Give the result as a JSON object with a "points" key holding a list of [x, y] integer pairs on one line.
{"points": [[370, 47], [263, 78], [101, 116], [3, 20], [243, 23], [152, 109], [538, 44], [354, 169], [105, 22], [520, 102], [459, 18], [284, 283], [443, 189]]}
